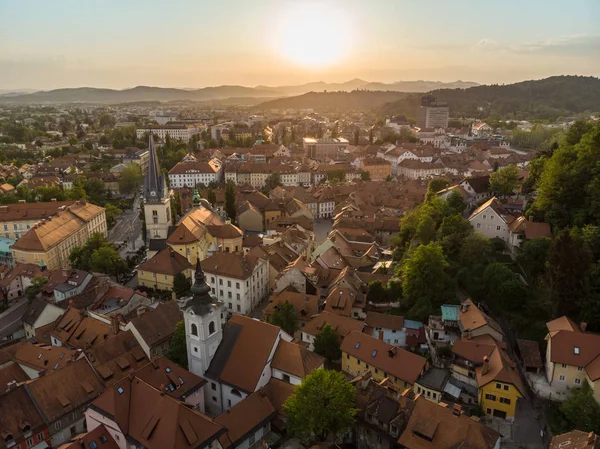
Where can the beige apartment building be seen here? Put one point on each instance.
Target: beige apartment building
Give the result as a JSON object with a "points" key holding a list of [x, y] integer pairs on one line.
{"points": [[17, 219], [51, 241]]}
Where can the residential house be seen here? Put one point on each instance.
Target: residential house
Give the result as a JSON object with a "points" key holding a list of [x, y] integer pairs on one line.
{"points": [[443, 329], [153, 329], [174, 380], [362, 353], [22, 425], [395, 330], [431, 385], [572, 356], [433, 426], [305, 306], [492, 220], [473, 322], [292, 362], [576, 439], [160, 270], [342, 325], [99, 437], [39, 313], [250, 218], [137, 414], [36, 360], [62, 396], [477, 187]]}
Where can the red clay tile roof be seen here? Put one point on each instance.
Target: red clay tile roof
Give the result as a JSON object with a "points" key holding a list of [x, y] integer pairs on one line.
{"points": [[576, 439], [393, 361], [63, 391], [93, 437], [17, 411], [167, 262], [245, 360], [155, 420], [432, 426], [341, 324], [384, 321], [158, 325], [244, 417], [294, 359], [175, 380]]}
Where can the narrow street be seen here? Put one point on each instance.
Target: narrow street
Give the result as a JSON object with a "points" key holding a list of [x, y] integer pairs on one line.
{"points": [[128, 229]]}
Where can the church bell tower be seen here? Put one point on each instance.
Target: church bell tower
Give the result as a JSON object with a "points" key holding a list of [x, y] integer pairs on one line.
{"points": [[203, 319], [157, 201]]}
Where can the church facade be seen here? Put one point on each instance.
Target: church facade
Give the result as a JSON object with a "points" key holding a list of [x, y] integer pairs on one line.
{"points": [[157, 200]]}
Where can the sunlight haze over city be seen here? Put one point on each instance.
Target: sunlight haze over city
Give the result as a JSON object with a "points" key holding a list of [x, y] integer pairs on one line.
{"points": [[116, 44]]}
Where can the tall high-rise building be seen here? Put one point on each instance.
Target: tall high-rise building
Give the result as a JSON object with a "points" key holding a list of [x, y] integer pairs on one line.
{"points": [[432, 113], [157, 201]]}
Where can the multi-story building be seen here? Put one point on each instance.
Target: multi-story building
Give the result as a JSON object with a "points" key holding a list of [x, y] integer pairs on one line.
{"points": [[160, 270], [22, 424], [177, 132], [328, 148], [17, 219], [190, 174], [240, 280], [362, 353], [379, 169], [572, 356], [432, 114], [62, 396], [51, 241]]}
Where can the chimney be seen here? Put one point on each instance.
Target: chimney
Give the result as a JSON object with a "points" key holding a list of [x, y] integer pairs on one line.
{"points": [[114, 322], [392, 352], [486, 365], [583, 326], [457, 410], [468, 334], [464, 306]]}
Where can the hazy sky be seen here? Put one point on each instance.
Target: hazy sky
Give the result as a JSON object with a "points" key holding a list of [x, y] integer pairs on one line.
{"points": [[48, 44]]}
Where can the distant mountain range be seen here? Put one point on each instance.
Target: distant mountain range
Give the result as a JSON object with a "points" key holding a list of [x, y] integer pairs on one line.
{"points": [[144, 93], [547, 98]]}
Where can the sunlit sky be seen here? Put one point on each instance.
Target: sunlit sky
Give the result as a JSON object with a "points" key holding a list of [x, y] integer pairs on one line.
{"points": [[197, 43]]}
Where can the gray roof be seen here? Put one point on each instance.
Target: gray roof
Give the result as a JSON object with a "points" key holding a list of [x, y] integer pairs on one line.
{"points": [[154, 181], [435, 379], [231, 333]]}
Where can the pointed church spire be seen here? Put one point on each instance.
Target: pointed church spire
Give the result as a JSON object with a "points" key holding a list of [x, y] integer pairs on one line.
{"points": [[201, 298], [154, 182]]}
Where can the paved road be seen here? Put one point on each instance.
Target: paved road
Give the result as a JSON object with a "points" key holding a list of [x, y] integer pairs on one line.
{"points": [[11, 317], [128, 229], [322, 230]]}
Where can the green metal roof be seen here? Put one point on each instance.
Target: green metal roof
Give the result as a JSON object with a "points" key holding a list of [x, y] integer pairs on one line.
{"points": [[450, 312]]}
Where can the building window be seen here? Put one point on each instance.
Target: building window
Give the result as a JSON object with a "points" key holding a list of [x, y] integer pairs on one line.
{"points": [[564, 365], [252, 439], [237, 296], [220, 281], [478, 225], [29, 442], [229, 295], [506, 387], [561, 378], [213, 386], [40, 437], [211, 328], [194, 330], [505, 401], [57, 425], [239, 309], [237, 285], [490, 397], [497, 228], [214, 398], [212, 279], [577, 381], [236, 392], [498, 386], [228, 283], [579, 368], [286, 378]]}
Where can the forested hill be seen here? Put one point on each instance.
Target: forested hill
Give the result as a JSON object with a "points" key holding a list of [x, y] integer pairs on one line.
{"points": [[547, 98], [357, 100]]}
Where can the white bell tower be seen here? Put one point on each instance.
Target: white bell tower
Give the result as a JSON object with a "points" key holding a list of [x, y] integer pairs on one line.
{"points": [[203, 319]]}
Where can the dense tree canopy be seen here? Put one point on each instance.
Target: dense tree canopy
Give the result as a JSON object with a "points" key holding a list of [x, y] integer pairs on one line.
{"points": [[285, 317], [322, 406]]}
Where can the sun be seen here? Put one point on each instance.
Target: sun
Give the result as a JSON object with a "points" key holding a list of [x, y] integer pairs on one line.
{"points": [[314, 35]]}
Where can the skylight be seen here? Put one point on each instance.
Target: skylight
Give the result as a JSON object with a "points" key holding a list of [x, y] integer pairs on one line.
{"points": [[374, 353], [168, 370], [120, 390], [357, 345], [576, 350]]}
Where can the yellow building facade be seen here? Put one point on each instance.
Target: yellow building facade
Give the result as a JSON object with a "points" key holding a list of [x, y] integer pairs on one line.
{"points": [[355, 367], [499, 399], [51, 241]]}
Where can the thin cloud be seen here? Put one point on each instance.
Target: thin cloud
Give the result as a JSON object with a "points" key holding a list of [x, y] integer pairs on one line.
{"points": [[574, 45]]}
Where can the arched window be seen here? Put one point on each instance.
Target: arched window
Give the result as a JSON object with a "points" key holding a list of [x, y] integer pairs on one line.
{"points": [[236, 393], [194, 330], [211, 328]]}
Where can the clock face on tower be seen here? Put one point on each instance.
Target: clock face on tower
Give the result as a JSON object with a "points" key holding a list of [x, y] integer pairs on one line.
{"points": [[153, 193]]}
